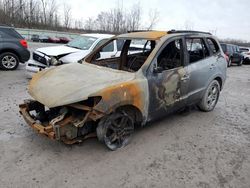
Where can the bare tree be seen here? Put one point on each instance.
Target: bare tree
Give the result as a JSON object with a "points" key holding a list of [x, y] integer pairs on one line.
{"points": [[188, 25], [44, 7], [89, 24], [153, 18], [134, 17], [67, 15]]}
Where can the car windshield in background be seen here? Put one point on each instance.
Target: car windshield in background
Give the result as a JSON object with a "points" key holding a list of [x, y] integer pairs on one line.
{"points": [[82, 42]]}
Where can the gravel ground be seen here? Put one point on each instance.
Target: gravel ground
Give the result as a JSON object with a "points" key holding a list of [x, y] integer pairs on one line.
{"points": [[195, 149]]}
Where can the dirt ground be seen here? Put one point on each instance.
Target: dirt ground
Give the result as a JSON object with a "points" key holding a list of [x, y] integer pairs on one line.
{"points": [[195, 149]]}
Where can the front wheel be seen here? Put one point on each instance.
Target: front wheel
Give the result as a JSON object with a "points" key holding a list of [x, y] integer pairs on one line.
{"points": [[210, 97], [115, 130], [8, 61]]}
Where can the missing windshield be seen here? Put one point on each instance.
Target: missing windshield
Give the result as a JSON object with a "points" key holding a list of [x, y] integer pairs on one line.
{"points": [[126, 54]]}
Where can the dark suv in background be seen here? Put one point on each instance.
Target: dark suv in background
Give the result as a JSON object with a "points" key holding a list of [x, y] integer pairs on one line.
{"points": [[13, 48], [233, 54]]}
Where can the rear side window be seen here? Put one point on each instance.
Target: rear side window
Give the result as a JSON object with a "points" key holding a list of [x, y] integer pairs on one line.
{"points": [[9, 33], [197, 49], [214, 47]]}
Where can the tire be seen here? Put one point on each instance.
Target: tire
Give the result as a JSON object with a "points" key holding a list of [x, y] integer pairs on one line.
{"points": [[210, 97], [240, 63], [229, 63], [115, 130], [8, 61]]}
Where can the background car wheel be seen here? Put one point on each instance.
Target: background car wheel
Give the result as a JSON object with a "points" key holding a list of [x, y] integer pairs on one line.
{"points": [[8, 61], [115, 130], [240, 63], [210, 98], [229, 63]]}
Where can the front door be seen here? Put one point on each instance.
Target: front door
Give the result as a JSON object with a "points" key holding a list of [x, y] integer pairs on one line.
{"points": [[168, 80]]}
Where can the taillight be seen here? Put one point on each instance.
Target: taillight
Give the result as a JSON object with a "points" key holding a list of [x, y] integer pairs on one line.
{"points": [[248, 53], [24, 43]]}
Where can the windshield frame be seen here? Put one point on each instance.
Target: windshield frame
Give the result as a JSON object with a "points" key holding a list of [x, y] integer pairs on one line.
{"points": [[91, 56]]}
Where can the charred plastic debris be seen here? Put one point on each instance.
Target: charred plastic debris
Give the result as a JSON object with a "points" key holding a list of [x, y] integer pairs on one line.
{"points": [[70, 124]]}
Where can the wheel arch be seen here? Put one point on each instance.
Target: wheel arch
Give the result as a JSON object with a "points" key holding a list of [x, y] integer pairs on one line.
{"points": [[132, 111], [219, 79], [10, 51]]}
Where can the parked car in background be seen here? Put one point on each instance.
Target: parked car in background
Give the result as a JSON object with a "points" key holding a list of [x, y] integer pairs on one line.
{"points": [[13, 48], [54, 40], [72, 52], [35, 38], [64, 40], [109, 96], [43, 38], [233, 54], [246, 54]]}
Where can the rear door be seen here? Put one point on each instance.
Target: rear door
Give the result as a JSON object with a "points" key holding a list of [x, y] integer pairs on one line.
{"points": [[201, 67]]}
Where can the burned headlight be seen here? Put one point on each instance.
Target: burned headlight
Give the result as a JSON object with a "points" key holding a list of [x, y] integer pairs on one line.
{"points": [[54, 61]]}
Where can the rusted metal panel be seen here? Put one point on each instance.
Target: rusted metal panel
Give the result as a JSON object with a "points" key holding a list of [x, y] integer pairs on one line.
{"points": [[72, 83], [149, 35]]}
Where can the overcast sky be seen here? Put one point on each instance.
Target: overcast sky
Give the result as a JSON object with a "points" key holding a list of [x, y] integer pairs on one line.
{"points": [[230, 18]]}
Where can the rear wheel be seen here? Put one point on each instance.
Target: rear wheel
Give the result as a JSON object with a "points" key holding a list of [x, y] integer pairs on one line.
{"points": [[8, 61], [115, 130], [210, 98]]}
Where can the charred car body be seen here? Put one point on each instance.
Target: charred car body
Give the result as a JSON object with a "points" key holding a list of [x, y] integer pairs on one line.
{"points": [[110, 96]]}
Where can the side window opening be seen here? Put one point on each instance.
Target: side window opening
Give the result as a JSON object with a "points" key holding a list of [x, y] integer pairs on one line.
{"points": [[171, 56], [214, 47], [197, 49]]}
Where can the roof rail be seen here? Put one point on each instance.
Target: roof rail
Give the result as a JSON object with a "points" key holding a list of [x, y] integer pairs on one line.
{"points": [[187, 31], [139, 31]]}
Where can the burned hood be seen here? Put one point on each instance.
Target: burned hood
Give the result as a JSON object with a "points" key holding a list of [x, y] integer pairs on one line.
{"points": [[57, 50], [73, 82]]}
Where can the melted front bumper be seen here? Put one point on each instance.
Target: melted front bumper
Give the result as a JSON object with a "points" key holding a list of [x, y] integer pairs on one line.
{"points": [[25, 110]]}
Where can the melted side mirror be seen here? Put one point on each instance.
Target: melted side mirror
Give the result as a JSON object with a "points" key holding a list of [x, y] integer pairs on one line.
{"points": [[157, 70]]}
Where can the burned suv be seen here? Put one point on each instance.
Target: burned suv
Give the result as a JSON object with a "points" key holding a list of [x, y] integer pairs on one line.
{"points": [[107, 97]]}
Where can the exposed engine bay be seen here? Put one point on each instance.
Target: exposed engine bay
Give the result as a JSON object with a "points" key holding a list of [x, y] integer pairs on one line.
{"points": [[70, 124]]}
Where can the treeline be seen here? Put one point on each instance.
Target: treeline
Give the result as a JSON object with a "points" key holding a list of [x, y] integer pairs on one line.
{"points": [[236, 42], [40, 14], [55, 15]]}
